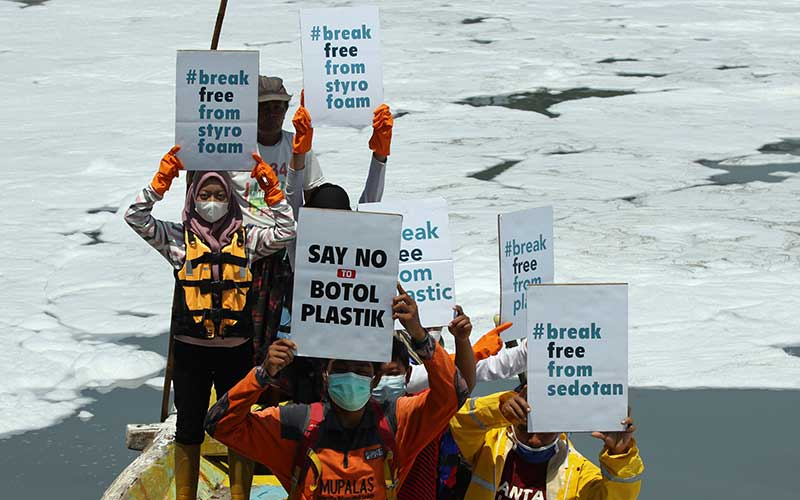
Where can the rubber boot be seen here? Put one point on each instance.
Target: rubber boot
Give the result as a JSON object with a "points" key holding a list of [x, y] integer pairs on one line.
{"points": [[240, 473], [187, 471]]}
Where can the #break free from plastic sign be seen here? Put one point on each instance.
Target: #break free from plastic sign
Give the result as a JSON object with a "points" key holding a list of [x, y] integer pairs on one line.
{"points": [[526, 258], [344, 283], [216, 108], [426, 257], [342, 73], [577, 357]]}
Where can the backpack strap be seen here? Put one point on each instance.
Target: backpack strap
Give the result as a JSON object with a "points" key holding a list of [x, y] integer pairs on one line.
{"points": [[305, 455], [389, 443]]}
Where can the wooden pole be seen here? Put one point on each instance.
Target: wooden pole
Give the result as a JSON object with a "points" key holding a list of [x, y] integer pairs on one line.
{"points": [[223, 5]]}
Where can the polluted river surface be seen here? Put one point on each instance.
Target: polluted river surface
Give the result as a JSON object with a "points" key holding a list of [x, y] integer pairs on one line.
{"points": [[663, 134]]}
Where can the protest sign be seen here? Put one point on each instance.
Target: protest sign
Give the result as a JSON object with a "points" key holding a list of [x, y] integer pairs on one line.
{"points": [[216, 108], [577, 357], [342, 73], [426, 259], [526, 258], [344, 283]]}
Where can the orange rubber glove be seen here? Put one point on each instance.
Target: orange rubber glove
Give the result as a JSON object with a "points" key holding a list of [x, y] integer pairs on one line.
{"points": [[303, 132], [266, 178], [167, 171], [382, 122], [491, 343]]}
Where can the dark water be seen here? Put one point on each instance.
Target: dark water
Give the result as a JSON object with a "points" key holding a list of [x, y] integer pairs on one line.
{"points": [[493, 171], [540, 100], [696, 444]]}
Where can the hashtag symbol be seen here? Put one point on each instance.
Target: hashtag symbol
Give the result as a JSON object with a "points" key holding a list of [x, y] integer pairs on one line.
{"points": [[508, 248], [538, 331], [315, 33], [191, 76]]}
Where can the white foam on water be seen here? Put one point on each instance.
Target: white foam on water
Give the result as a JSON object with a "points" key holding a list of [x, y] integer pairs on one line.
{"points": [[713, 269]]}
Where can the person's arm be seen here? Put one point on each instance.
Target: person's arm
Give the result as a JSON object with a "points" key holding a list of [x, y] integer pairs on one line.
{"points": [[461, 328], [620, 471], [256, 435], [373, 187], [380, 143], [301, 146], [505, 364], [262, 240], [421, 418], [295, 180], [475, 418], [166, 237]]}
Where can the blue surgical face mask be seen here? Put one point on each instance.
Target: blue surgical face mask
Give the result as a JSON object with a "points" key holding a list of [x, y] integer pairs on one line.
{"points": [[390, 388], [349, 391], [534, 455]]}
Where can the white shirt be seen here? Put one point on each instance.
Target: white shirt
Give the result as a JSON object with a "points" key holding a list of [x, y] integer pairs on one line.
{"points": [[249, 194], [507, 363]]}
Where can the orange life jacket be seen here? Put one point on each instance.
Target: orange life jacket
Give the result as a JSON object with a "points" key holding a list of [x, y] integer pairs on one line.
{"points": [[207, 307]]}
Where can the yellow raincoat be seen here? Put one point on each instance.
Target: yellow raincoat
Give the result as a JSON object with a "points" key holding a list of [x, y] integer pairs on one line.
{"points": [[484, 437]]}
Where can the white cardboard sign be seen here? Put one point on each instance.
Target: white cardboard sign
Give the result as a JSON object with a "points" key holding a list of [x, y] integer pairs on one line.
{"points": [[526, 258], [577, 357], [345, 280], [216, 108], [342, 72], [426, 258]]}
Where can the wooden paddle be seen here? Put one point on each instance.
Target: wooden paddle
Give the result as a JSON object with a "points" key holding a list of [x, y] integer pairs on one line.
{"points": [[223, 5]]}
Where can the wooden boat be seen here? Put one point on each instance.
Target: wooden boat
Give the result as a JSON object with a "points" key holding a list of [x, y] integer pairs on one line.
{"points": [[151, 475]]}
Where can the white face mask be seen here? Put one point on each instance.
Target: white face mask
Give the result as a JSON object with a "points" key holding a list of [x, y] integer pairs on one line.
{"points": [[211, 211]]}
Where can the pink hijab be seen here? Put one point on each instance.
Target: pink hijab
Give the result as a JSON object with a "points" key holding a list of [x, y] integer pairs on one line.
{"points": [[220, 233]]}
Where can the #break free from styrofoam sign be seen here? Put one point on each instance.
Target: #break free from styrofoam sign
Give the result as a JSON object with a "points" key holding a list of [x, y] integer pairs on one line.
{"points": [[344, 283], [342, 72], [526, 258], [216, 108], [426, 257], [577, 357]]}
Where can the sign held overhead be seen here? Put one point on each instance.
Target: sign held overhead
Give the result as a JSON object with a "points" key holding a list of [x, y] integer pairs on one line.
{"points": [[342, 73], [216, 108]]}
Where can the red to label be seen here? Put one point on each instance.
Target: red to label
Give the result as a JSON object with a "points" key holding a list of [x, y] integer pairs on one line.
{"points": [[346, 273]]}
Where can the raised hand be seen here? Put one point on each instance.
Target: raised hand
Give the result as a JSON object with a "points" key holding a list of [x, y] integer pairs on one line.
{"points": [[303, 132], [405, 309], [515, 409], [460, 327], [279, 356], [491, 342], [266, 178], [167, 171], [382, 123], [618, 443]]}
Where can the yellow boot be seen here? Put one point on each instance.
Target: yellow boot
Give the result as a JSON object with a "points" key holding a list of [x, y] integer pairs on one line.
{"points": [[240, 472], [187, 470]]}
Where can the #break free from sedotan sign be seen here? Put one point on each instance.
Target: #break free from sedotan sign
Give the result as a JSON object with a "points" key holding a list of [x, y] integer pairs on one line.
{"points": [[345, 279], [577, 357], [526, 258], [426, 257], [216, 108], [342, 72]]}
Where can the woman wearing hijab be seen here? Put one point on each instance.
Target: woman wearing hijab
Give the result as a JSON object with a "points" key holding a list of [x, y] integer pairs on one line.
{"points": [[210, 251]]}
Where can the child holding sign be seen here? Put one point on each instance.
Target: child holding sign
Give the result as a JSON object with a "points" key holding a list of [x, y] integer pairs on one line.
{"points": [[508, 462], [210, 251], [349, 447]]}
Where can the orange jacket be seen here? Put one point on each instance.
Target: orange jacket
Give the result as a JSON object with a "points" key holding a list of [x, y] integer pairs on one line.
{"points": [[352, 461]]}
